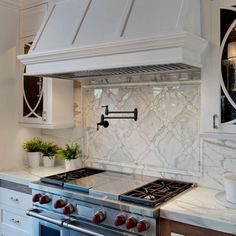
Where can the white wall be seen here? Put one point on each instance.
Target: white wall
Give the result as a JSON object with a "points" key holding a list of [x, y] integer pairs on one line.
{"points": [[11, 135]]}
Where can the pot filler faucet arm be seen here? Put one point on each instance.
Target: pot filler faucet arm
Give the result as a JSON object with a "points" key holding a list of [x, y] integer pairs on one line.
{"points": [[104, 118]]}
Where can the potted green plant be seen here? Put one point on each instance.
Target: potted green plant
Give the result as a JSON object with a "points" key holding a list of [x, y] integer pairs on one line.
{"points": [[71, 153], [33, 147], [49, 149]]}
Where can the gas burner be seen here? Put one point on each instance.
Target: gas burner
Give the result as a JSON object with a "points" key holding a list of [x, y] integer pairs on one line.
{"points": [[65, 177], [155, 193], [150, 197]]}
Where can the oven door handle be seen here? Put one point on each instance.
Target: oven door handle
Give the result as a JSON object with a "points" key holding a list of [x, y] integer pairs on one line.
{"points": [[81, 229], [38, 214]]}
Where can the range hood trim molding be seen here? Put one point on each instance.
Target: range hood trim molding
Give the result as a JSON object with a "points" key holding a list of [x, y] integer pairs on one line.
{"points": [[187, 42]]}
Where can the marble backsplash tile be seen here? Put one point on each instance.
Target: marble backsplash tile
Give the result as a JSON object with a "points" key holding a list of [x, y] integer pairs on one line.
{"points": [[165, 136], [163, 142]]}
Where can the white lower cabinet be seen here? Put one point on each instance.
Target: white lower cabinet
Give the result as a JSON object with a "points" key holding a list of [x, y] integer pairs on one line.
{"points": [[11, 233], [8, 232], [15, 199], [13, 218]]}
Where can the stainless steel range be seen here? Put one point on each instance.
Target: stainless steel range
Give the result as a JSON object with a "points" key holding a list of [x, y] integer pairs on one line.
{"points": [[95, 202]]}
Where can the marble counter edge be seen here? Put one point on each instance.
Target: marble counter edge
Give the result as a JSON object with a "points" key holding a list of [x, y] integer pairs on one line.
{"points": [[199, 221], [171, 211], [26, 175]]}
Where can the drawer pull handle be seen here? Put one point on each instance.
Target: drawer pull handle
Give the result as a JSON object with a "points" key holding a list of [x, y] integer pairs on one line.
{"points": [[14, 199], [15, 221], [215, 122]]}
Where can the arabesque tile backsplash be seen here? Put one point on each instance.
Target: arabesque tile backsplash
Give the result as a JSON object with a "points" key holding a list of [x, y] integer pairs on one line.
{"points": [[164, 141], [164, 136]]}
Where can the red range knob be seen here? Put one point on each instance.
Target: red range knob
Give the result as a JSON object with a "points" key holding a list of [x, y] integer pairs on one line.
{"points": [[44, 199], [131, 222], [59, 203], [36, 197], [99, 217], [142, 226], [120, 220], [68, 209]]}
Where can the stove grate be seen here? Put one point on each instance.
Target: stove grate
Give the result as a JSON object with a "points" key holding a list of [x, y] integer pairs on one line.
{"points": [[155, 193], [62, 178]]}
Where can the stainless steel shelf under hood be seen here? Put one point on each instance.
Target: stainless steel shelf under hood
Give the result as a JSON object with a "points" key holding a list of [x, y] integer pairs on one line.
{"points": [[135, 70]]}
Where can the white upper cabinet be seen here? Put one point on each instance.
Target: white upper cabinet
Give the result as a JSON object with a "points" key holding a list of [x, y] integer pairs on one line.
{"points": [[219, 72], [43, 102]]}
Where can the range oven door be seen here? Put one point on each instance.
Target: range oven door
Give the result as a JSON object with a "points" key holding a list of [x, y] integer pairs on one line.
{"points": [[50, 224], [46, 223]]}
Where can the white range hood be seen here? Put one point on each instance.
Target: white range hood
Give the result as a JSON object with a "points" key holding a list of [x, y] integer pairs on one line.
{"points": [[81, 38]]}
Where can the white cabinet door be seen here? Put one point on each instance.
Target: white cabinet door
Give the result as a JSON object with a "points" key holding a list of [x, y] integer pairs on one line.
{"points": [[15, 199], [8, 232], [13, 218], [44, 102], [218, 90]]}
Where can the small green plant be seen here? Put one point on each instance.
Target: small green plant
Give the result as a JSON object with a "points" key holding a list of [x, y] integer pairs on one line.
{"points": [[49, 149], [33, 145], [69, 152]]}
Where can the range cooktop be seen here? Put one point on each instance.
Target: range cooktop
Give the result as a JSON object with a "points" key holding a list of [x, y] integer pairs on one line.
{"points": [[132, 188]]}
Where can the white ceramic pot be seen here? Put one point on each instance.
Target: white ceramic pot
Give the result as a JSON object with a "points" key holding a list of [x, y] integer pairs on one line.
{"points": [[230, 187], [34, 159], [48, 162], [73, 164]]}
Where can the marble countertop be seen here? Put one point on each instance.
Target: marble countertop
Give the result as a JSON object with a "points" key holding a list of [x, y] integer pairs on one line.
{"points": [[27, 175], [199, 207]]}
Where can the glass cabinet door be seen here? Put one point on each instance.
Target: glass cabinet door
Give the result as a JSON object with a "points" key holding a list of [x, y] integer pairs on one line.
{"points": [[228, 65], [43, 102], [33, 97], [32, 94]]}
